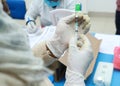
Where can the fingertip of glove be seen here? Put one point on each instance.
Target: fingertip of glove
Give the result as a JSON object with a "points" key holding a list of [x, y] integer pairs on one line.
{"points": [[87, 28], [72, 42], [86, 18]]}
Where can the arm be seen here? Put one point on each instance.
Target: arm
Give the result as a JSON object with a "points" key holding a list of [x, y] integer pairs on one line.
{"points": [[5, 6], [59, 43], [31, 16], [33, 10]]}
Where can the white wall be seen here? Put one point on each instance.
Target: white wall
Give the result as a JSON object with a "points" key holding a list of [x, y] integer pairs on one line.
{"points": [[94, 5], [101, 5], [98, 6]]}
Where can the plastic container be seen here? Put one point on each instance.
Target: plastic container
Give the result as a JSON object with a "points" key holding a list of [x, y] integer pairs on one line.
{"points": [[116, 60]]}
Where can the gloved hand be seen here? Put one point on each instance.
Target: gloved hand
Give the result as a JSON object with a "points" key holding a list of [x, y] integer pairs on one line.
{"points": [[80, 56], [40, 50], [65, 30], [31, 27]]}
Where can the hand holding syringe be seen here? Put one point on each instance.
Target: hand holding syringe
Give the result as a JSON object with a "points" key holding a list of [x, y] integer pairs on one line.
{"points": [[82, 22], [77, 9]]}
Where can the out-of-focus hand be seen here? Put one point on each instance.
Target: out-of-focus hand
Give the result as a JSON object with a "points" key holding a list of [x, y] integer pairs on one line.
{"points": [[31, 27], [65, 30], [79, 57]]}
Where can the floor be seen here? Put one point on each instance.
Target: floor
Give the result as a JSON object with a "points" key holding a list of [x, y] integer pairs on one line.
{"points": [[99, 23]]}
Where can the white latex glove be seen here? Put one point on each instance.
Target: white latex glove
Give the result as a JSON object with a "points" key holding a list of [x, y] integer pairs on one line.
{"points": [[41, 51], [65, 30], [31, 27], [79, 57]]}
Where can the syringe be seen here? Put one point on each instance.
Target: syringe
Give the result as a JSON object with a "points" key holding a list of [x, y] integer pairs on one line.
{"points": [[77, 9]]}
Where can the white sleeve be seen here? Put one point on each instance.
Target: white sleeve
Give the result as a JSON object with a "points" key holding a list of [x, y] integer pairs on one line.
{"points": [[34, 10], [74, 79]]}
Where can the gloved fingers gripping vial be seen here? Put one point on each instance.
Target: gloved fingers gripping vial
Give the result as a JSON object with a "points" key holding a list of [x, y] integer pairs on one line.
{"points": [[77, 9], [83, 21]]}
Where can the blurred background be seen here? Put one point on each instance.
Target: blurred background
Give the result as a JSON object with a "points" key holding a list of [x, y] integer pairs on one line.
{"points": [[101, 12]]}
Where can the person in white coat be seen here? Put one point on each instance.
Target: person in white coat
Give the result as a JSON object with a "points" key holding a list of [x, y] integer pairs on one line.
{"points": [[42, 8], [18, 65]]}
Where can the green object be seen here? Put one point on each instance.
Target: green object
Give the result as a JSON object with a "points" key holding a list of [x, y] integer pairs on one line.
{"points": [[78, 7]]}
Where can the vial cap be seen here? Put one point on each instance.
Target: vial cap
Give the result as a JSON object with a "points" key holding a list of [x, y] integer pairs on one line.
{"points": [[78, 7]]}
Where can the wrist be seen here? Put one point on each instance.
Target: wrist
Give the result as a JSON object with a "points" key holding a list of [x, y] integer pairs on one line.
{"points": [[41, 50], [74, 78], [30, 21], [56, 48], [68, 71]]}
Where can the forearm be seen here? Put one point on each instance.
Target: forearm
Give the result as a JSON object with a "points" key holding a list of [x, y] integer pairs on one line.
{"points": [[5, 6], [57, 47], [30, 16], [32, 12]]}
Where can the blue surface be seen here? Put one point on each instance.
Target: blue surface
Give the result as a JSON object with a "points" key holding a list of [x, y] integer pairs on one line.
{"points": [[17, 8], [89, 82], [61, 83], [116, 74]]}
